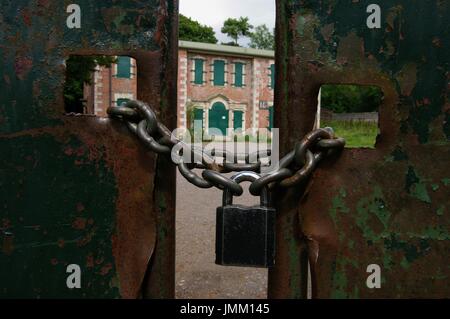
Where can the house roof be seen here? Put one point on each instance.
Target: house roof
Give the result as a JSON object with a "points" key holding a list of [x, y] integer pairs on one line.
{"points": [[225, 49]]}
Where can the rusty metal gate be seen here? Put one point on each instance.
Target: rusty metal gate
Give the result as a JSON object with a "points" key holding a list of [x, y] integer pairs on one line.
{"points": [[80, 190], [388, 206]]}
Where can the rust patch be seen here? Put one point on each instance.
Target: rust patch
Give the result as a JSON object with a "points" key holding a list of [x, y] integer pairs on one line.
{"points": [[79, 223], [22, 66]]}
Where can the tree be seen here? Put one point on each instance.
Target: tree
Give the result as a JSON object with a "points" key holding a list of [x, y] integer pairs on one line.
{"points": [[232, 44], [262, 38], [351, 98], [79, 71], [236, 28], [191, 30]]}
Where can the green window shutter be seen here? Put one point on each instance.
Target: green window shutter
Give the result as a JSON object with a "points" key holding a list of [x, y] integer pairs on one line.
{"points": [[238, 117], [239, 74], [270, 118], [198, 67], [124, 67], [272, 76], [121, 101], [219, 73]]}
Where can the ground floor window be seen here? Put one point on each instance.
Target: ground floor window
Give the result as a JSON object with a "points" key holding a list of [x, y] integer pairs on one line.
{"points": [[238, 119], [121, 101]]}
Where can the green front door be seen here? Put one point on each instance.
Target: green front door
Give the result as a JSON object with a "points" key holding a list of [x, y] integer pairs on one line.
{"points": [[218, 119], [237, 122]]}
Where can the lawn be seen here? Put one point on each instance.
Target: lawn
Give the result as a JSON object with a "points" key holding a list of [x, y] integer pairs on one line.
{"points": [[356, 133]]}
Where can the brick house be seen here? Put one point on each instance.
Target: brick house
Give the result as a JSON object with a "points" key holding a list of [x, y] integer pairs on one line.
{"points": [[224, 87], [219, 87]]}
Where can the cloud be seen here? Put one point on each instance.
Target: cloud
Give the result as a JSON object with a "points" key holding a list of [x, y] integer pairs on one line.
{"points": [[215, 12]]}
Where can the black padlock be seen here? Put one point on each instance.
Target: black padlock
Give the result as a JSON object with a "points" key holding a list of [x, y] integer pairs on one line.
{"points": [[245, 236]]}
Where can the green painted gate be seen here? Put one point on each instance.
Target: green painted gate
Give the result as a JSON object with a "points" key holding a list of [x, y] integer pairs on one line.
{"points": [[218, 118], [78, 190], [389, 206], [72, 190]]}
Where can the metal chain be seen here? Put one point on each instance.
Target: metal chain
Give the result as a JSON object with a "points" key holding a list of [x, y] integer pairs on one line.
{"points": [[293, 169]]}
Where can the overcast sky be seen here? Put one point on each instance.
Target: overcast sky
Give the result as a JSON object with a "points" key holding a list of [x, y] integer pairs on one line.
{"points": [[214, 12]]}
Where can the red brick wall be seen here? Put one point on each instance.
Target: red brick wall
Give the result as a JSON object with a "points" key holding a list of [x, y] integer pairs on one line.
{"points": [[100, 96], [266, 93]]}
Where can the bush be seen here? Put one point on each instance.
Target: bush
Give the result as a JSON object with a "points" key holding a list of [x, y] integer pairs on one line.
{"points": [[351, 98]]}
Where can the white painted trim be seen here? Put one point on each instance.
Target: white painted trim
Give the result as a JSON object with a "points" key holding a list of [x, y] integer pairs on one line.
{"points": [[255, 93], [133, 68], [221, 100], [183, 91]]}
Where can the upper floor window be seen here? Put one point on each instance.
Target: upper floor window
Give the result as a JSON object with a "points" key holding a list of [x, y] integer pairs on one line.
{"points": [[272, 76], [199, 65], [219, 73], [239, 74], [123, 67]]}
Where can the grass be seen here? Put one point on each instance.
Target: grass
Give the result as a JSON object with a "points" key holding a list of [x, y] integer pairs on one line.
{"points": [[358, 134]]}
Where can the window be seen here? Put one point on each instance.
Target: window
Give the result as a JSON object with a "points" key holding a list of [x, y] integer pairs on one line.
{"points": [[272, 76], [219, 73], [123, 67], [238, 119], [239, 74], [198, 71], [102, 87], [121, 101], [270, 118]]}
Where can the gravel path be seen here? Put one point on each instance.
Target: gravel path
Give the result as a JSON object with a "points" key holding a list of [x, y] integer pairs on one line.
{"points": [[196, 274]]}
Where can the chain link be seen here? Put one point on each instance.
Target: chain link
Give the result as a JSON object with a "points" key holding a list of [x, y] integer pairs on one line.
{"points": [[293, 169]]}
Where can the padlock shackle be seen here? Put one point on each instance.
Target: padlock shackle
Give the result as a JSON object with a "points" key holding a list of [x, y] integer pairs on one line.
{"points": [[245, 177]]}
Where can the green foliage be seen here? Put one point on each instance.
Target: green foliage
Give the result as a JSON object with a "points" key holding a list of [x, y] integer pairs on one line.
{"points": [[262, 38], [236, 28], [191, 30], [356, 133], [351, 98], [79, 71]]}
